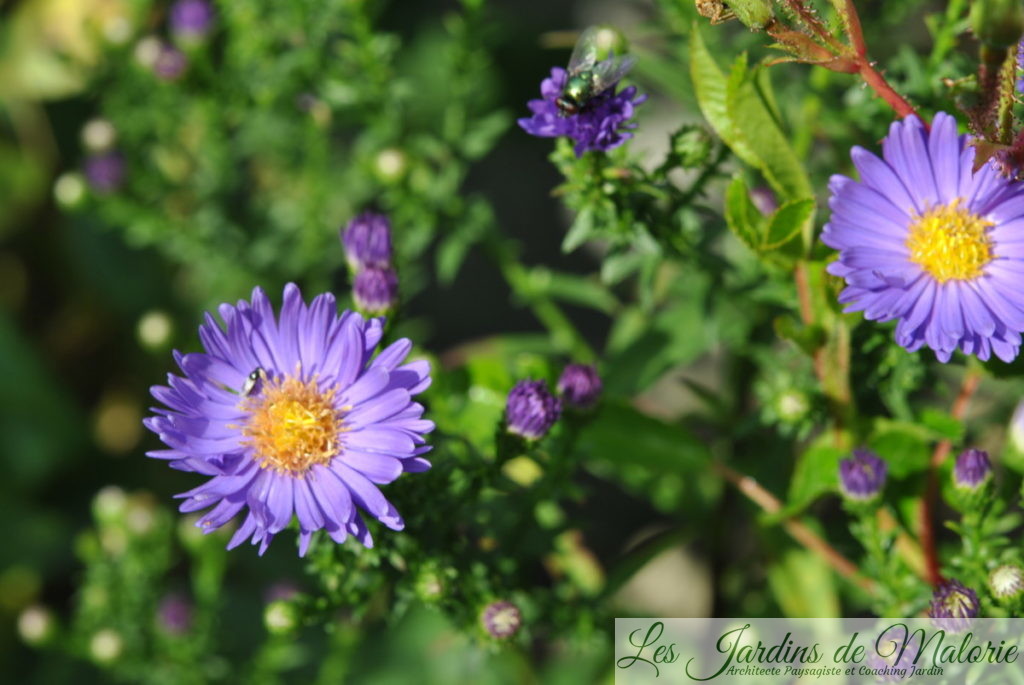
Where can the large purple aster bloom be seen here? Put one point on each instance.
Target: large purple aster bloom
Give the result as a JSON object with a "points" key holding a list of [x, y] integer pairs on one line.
{"points": [[293, 416], [925, 240], [602, 124]]}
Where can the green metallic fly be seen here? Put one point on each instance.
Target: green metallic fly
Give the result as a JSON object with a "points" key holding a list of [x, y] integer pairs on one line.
{"points": [[588, 78]]}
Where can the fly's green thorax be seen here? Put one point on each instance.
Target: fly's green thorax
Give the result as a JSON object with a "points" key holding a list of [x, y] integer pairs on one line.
{"points": [[579, 87]]}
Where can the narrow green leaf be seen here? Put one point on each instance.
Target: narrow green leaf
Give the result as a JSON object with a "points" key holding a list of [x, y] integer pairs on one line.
{"points": [[580, 231], [742, 217]]}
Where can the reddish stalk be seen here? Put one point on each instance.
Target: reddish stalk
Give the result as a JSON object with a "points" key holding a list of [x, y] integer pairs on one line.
{"points": [[927, 534], [798, 530]]}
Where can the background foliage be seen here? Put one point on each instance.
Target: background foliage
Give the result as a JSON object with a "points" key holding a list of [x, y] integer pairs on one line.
{"points": [[652, 261]]}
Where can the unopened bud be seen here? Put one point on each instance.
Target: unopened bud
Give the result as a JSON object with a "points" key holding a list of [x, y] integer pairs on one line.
{"points": [[755, 14], [280, 617], [106, 645], [998, 23], [36, 625]]}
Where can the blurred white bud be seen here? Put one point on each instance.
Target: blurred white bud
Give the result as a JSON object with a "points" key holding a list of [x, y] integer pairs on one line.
{"points": [[98, 135], [35, 625], [109, 504], [154, 330], [147, 51], [280, 617], [69, 189], [390, 164], [106, 645]]}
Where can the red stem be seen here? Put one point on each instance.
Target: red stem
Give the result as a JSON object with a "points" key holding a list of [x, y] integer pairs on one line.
{"points": [[927, 534]]}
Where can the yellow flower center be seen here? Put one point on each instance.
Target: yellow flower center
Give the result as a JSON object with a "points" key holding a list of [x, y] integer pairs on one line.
{"points": [[293, 425], [949, 242]]}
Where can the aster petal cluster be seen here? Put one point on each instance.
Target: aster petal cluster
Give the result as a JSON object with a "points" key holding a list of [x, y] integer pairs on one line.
{"points": [[602, 124], [862, 476], [367, 243], [928, 242], [531, 409], [953, 606], [293, 417]]}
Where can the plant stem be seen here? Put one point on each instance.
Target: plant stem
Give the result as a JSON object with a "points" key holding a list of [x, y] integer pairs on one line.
{"points": [[968, 386], [797, 529]]}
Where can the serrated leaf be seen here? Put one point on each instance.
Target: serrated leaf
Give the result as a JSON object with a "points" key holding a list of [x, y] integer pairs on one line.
{"points": [[787, 222]]}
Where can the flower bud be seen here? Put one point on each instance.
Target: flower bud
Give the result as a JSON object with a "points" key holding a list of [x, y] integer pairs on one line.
{"points": [[170, 63], [154, 330], [691, 145], [174, 614], [191, 20], [98, 135], [501, 619], [280, 617], [953, 606], [69, 189], [998, 23], [367, 241], [105, 171], [972, 471], [390, 164], [105, 646], [580, 386], [375, 290], [531, 409], [1007, 582], [36, 625], [862, 476]]}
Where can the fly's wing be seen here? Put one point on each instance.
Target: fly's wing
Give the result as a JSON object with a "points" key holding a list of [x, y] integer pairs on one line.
{"points": [[584, 55], [608, 72]]}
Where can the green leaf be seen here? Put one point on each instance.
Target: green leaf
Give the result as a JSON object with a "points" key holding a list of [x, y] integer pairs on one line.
{"points": [[804, 585], [904, 446], [787, 222], [575, 289], [581, 230], [817, 473], [943, 425], [742, 217]]}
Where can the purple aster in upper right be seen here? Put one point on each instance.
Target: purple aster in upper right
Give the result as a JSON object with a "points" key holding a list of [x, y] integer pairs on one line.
{"points": [[926, 241], [601, 124]]}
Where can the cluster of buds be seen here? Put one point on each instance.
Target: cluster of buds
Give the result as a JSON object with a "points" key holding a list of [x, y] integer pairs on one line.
{"points": [[532, 409], [367, 243]]}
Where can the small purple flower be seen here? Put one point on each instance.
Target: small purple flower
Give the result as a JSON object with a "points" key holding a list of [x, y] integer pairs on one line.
{"points": [[579, 385], [291, 416], [175, 614], [953, 606], [191, 19], [531, 409], [897, 664], [862, 476], [105, 171], [501, 619], [973, 469], [170, 63], [764, 199], [375, 290], [925, 240], [602, 124], [1020, 67], [367, 241]]}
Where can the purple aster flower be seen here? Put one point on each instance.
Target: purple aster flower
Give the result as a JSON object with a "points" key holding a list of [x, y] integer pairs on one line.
{"points": [[531, 409], [375, 290], [501, 619], [367, 241], [170, 63], [175, 614], [973, 469], [925, 240], [862, 476], [105, 171], [191, 19], [953, 606], [602, 124], [293, 417], [579, 385], [1020, 66], [896, 665]]}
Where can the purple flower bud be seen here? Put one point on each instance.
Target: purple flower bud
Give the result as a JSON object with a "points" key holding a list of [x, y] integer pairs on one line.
{"points": [[1007, 582], [531, 409], [501, 619], [764, 199], [579, 385], [170, 63], [105, 171], [191, 19], [375, 290], [973, 469], [175, 614], [367, 241], [953, 606], [862, 476]]}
